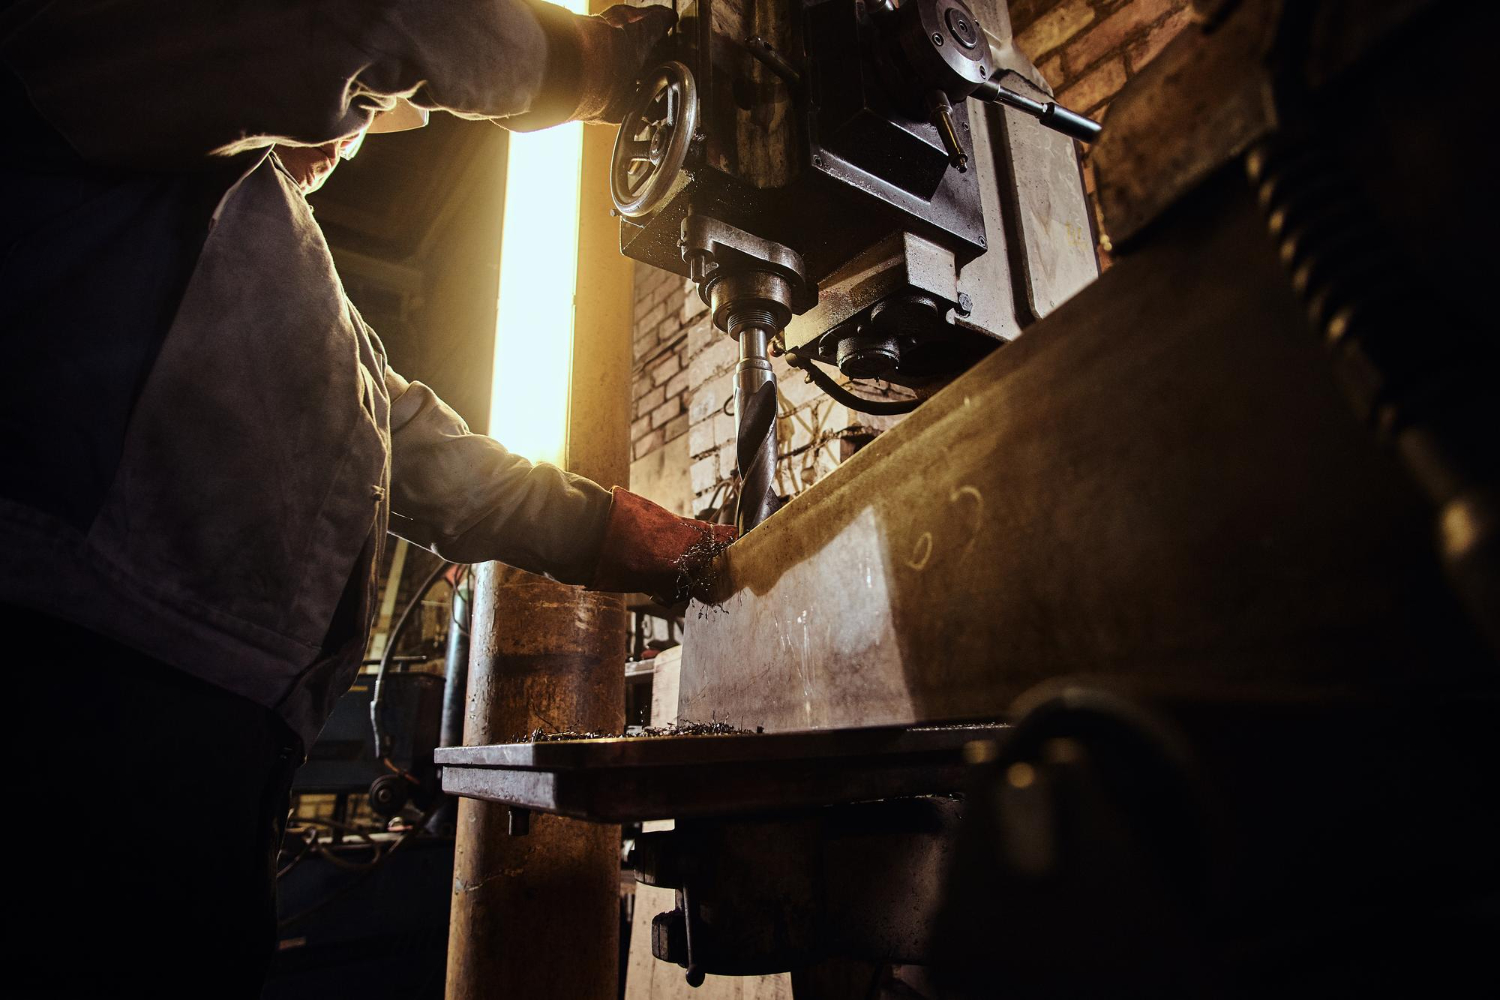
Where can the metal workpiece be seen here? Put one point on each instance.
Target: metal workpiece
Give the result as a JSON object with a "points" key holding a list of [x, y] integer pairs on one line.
{"points": [[1020, 524], [632, 779]]}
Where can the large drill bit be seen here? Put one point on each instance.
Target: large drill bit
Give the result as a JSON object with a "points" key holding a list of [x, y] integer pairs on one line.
{"points": [[755, 407]]}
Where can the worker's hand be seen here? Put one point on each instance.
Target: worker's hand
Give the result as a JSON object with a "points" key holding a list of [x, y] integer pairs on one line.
{"points": [[648, 548], [615, 46]]}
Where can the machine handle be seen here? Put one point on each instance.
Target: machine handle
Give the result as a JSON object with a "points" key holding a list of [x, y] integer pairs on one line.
{"points": [[1050, 114], [1070, 123]]}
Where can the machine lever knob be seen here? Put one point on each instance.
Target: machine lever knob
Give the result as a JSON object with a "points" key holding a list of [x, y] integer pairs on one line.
{"points": [[1049, 113], [941, 111]]}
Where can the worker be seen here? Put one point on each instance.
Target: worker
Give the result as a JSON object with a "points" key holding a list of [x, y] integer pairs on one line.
{"points": [[202, 446]]}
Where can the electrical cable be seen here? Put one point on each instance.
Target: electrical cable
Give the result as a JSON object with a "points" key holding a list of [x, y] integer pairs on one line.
{"points": [[459, 579], [309, 846], [382, 747], [361, 875], [314, 846], [843, 396]]}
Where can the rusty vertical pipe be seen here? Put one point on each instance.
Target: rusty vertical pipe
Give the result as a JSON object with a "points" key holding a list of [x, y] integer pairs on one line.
{"points": [[537, 915]]}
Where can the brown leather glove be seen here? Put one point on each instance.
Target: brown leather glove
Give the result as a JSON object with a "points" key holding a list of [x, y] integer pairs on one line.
{"points": [[648, 548], [593, 63], [615, 46]]}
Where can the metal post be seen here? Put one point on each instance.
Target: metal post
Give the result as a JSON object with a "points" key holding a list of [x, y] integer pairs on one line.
{"points": [[537, 915], [456, 664]]}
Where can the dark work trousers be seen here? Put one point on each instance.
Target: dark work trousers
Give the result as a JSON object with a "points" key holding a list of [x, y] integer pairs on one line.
{"points": [[145, 813]]}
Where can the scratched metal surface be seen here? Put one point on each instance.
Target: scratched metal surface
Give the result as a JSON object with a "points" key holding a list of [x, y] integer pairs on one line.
{"points": [[1159, 479]]}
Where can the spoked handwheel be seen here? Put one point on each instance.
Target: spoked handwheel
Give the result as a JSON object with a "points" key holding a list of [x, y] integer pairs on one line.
{"points": [[653, 143]]}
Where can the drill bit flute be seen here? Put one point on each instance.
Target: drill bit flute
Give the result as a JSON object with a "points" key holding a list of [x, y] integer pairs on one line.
{"points": [[755, 406], [752, 287]]}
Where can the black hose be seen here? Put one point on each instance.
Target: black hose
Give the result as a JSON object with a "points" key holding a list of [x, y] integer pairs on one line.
{"points": [[376, 699], [823, 381]]}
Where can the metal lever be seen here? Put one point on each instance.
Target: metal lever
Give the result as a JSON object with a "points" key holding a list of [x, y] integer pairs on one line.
{"points": [[1050, 114], [941, 111]]}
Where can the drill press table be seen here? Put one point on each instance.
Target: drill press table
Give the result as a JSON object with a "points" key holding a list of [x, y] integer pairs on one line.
{"points": [[630, 779]]}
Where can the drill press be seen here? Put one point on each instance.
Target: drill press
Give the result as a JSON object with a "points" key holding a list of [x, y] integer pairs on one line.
{"points": [[781, 143]]}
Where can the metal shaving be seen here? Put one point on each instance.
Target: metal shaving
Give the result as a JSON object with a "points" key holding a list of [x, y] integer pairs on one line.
{"points": [[684, 728], [698, 568]]}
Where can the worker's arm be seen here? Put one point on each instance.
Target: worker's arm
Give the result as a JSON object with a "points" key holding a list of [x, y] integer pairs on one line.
{"points": [[468, 499], [164, 83]]}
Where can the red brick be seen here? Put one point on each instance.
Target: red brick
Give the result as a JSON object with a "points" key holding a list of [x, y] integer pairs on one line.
{"points": [[1145, 50], [666, 411], [1055, 27], [1097, 87], [1110, 34]]}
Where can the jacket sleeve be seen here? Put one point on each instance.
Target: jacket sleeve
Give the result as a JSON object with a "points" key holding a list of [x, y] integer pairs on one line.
{"points": [[469, 500], [171, 84]]}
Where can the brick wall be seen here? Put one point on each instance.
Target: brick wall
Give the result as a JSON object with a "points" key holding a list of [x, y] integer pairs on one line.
{"points": [[682, 435], [663, 313], [1088, 49]]}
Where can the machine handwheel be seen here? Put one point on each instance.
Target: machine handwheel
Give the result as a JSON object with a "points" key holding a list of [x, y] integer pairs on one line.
{"points": [[654, 139]]}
